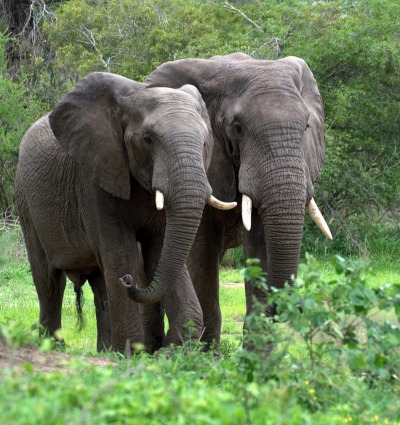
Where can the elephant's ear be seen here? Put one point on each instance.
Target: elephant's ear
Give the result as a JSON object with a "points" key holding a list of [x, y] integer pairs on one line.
{"points": [[314, 140], [192, 91], [238, 56], [87, 124], [175, 74]]}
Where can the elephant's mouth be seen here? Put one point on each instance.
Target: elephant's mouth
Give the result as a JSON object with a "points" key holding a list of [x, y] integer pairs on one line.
{"points": [[212, 201], [312, 208]]}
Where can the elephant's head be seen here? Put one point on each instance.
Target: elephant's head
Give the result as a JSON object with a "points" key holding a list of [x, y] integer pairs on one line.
{"points": [[268, 116], [125, 133]]}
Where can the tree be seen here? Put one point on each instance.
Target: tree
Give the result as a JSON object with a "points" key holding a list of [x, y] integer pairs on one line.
{"points": [[18, 110], [352, 46], [132, 37]]}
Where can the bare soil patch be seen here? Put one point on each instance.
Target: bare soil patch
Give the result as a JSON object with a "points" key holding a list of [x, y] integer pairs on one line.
{"points": [[29, 358]]}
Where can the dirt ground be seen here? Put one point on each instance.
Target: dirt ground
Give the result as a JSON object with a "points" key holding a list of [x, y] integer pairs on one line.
{"points": [[29, 358]]}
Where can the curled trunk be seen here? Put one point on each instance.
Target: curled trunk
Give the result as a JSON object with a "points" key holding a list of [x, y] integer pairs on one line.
{"points": [[183, 219]]}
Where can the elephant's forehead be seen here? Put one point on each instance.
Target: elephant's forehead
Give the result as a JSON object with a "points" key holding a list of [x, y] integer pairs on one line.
{"points": [[241, 76], [163, 94]]}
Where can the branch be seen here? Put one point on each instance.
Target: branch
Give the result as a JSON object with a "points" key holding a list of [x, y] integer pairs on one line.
{"points": [[92, 42], [228, 6], [38, 11]]}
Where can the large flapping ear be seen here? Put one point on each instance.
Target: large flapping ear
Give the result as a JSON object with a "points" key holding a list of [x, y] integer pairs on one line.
{"points": [[192, 90], [87, 124], [314, 138]]}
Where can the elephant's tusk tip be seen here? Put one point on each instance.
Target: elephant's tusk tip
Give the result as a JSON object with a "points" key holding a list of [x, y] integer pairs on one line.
{"points": [[247, 226], [318, 218], [159, 200]]}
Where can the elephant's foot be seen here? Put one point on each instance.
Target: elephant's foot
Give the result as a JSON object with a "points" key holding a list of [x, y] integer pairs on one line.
{"points": [[266, 350], [178, 334]]}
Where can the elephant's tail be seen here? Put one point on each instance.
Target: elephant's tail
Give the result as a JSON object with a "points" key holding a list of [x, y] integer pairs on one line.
{"points": [[79, 301]]}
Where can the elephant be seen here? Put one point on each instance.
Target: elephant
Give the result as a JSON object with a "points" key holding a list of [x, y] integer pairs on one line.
{"points": [[87, 176], [267, 122]]}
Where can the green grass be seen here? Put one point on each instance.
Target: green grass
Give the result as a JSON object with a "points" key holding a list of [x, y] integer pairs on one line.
{"points": [[230, 275], [18, 301], [183, 385]]}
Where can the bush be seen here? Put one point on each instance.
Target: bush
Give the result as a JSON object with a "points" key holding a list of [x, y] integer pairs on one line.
{"points": [[343, 325]]}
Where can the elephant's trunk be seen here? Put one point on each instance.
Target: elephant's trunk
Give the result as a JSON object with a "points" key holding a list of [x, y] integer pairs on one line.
{"points": [[283, 227], [280, 197], [183, 216]]}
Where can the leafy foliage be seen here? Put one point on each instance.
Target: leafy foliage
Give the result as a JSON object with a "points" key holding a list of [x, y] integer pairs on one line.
{"points": [[351, 46], [132, 37], [343, 320], [18, 109]]}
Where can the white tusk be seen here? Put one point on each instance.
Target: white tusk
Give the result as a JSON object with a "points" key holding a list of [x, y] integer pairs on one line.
{"points": [[247, 205], [220, 205], [159, 200], [318, 218]]}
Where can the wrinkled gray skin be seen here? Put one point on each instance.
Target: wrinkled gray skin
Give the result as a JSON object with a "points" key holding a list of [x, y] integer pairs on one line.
{"points": [[85, 184], [267, 121]]}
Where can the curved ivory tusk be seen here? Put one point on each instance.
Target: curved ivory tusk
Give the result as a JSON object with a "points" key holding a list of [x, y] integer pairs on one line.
{"points": [[247, 206], [318, 218], [159, 200], [220, 205]]}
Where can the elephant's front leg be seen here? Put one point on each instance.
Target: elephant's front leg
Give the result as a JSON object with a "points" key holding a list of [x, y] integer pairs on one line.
{"points": [[203, 265], [97, 283], [184, 312], [254, 247], [151, 315], [181, 305], [121, 258]]}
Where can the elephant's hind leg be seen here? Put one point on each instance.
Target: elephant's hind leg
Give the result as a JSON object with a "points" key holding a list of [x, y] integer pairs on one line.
{"points": [[50, 299], [50, 285]]}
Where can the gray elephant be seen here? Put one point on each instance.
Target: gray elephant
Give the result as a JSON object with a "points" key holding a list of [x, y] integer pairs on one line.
{"points": [[86, 180], [267, 121]]}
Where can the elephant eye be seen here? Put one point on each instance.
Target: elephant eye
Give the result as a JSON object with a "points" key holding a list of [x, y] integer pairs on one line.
{"points": [[147, 140], [237, 127], [307, 126]]}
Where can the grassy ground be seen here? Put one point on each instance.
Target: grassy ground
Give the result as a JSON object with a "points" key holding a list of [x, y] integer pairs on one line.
{"points": [[299, 383], [18, 299]]}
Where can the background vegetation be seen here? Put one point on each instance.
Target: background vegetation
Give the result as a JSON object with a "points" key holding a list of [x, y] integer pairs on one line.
{"points": [[352, 47]]}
